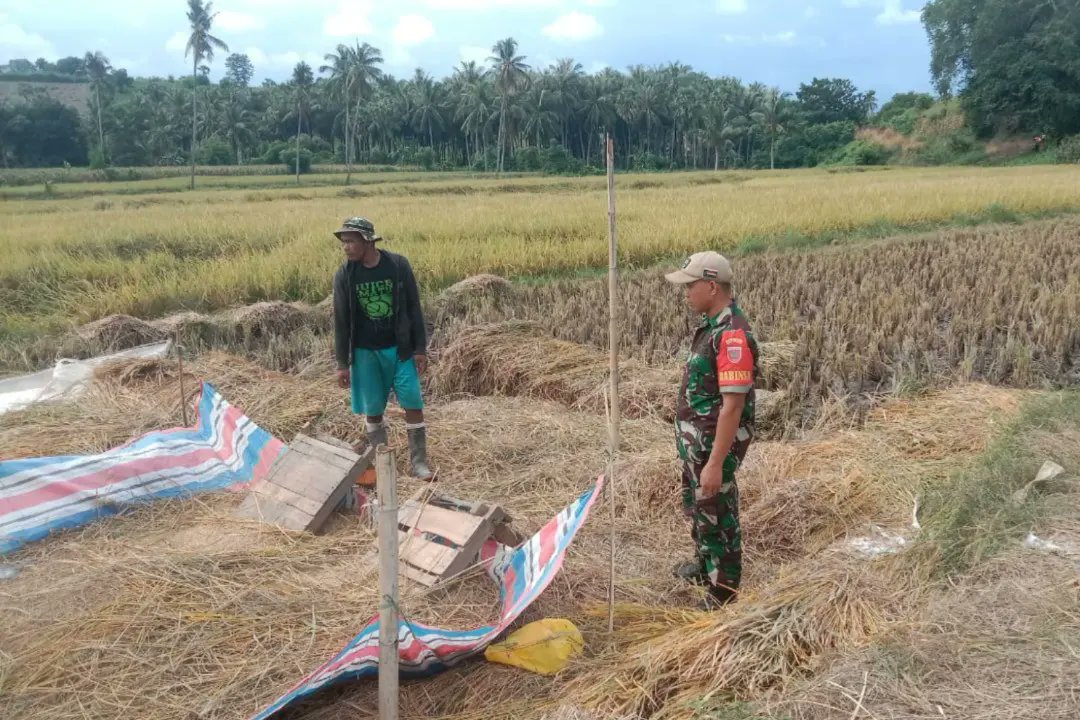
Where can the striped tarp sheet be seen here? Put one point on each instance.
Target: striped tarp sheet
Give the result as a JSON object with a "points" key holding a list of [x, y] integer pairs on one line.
{"points": [[522, 574], [225, 449]]}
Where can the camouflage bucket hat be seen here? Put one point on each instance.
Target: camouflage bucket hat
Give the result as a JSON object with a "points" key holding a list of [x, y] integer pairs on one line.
{"points": [[359, 225]]}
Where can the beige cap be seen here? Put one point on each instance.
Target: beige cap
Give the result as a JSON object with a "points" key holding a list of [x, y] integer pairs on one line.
{"points": [[703, 266]]}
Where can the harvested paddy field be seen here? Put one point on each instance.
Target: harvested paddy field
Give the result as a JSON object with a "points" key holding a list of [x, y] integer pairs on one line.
{"points": [[912, 384]]}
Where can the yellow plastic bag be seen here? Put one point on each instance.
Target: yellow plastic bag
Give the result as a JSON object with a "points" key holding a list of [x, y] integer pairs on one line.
{"points": [[543, 647]]}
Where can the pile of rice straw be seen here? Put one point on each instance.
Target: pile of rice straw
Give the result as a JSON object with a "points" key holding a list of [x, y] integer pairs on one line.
{"points": [[118, 332], [521, 358], [486, 291]]}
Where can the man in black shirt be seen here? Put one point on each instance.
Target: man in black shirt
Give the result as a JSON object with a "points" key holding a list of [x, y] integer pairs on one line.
{"points": [[380, 342]]}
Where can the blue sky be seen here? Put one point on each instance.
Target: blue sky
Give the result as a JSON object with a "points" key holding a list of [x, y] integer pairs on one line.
{"points": [[879, 44]]}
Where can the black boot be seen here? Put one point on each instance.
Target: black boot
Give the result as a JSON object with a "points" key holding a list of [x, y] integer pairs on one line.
{"points": [[717, 597], [418, 453], [377, 434], [691, 572]]}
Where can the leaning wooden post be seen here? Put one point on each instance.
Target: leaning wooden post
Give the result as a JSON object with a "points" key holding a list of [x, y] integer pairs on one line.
{"points": [[386, 486], [180, 363], [613, 390]]}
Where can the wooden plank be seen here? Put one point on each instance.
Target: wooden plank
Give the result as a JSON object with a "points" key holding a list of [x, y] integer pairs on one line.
{"points": [[425, 554], [456, 527], [268, 510], [332, 502], [331, 440], [308, 477], [424, 578], [248, 508], [288, 497], [334, 462], [469, 553], [311, 446], [494, 513]]}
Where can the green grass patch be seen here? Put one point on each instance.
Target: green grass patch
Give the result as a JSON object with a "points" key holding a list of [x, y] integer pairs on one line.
{"points": [[973, 517]]}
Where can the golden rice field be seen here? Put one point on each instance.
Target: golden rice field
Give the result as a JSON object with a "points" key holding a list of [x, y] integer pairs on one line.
{"points": [[153, 253]]}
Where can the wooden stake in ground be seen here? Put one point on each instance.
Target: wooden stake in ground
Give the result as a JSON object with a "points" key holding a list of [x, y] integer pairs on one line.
{"points": [[613, 388], [388, 583], [180, 362]]}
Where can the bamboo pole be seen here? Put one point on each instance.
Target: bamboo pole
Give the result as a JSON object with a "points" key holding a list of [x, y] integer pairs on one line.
{"points": [[180, 362], [613, 389], [386, 486]]}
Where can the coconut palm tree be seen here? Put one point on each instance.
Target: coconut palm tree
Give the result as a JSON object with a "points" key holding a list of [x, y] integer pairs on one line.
{"points": [[540, 118], [774, 115], [236, 125], [719, 127], [364, 74], [200, 46], [426, 105], [511, 76], [302, 80], [564, 82], [97, 69], [475, 110], [641, 101], [598, 108], [353, 74], [339, 69]]}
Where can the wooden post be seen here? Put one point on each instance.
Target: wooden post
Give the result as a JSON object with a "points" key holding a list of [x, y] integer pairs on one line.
{"points": [[613, 390], [180, 362], [386, 487]]}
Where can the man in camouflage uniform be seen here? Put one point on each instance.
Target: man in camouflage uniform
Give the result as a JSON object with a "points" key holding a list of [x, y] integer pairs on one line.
{"points": [[715, 423]]}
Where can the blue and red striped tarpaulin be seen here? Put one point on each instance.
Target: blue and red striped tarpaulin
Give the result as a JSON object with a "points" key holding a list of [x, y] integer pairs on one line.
{"points": [[225, 449], [522, 575]]}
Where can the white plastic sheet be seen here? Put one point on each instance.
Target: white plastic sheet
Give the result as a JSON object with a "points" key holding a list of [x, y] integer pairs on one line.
{"points": [[67, 379]]}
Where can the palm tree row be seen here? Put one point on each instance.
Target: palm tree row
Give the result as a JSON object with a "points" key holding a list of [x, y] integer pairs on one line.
{"points": [[481, 116], [671, 113]]}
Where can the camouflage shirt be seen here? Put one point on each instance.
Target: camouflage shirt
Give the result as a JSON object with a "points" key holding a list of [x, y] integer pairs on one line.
{"points": [[723, 359]]}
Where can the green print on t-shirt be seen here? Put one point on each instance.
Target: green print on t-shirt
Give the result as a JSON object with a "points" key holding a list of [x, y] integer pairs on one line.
{"points": [[376, 298]]}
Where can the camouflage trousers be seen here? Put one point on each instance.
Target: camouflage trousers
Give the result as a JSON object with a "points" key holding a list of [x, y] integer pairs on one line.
{"points": [[716, 532]]}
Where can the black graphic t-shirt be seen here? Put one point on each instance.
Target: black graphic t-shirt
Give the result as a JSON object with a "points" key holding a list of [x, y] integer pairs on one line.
{"points": [[374, 289]]}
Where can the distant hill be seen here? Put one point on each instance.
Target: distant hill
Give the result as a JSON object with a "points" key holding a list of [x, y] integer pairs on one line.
{"points": [[76, 95]]}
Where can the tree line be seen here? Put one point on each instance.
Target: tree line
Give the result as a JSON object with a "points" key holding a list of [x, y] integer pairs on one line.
{"points": [[505, 114]]}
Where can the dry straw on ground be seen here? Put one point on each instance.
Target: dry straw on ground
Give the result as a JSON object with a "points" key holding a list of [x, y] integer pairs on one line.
{"points": [[1000, 642], [178, 612]]}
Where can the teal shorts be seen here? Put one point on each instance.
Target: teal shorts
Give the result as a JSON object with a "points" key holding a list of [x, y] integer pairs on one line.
{"points": [[375, 373]]}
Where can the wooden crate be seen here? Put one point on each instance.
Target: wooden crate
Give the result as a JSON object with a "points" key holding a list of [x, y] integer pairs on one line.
{"points": [[306, 483], [440, 536]]}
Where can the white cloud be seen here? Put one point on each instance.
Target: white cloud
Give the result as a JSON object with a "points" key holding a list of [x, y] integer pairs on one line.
{"points": [[286, 60], [238, 22], [574, 26], [893, 13], [475, 53], [290, 58], [178, 42], [787, 37], [731, 7], [350, 18], [412, 30], [256, 56], [600, 3], [18, 43]]}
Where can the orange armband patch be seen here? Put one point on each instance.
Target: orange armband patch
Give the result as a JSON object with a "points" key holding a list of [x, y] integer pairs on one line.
{"points": [[734, 360]]}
